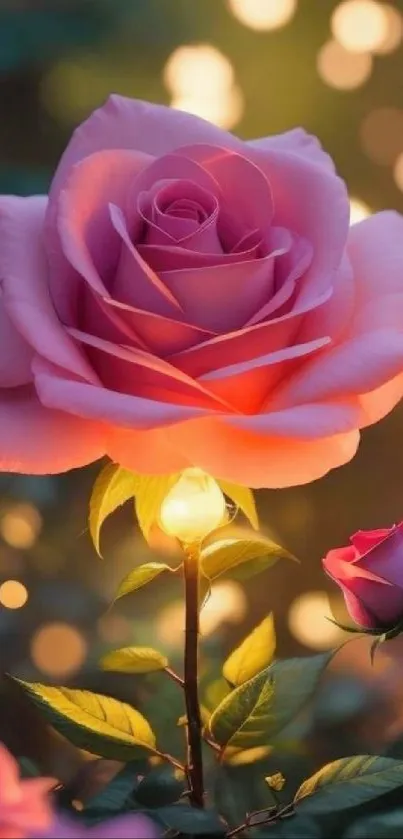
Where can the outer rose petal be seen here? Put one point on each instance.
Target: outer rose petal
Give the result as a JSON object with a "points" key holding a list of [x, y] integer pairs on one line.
{"points": [[24, 269], [257, 460], [37, 441], [150, 451], [15, 354], [297, 141], [123, 123]]}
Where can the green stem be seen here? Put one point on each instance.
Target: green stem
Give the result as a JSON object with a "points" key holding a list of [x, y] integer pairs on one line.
{"points": [[191, 687]]}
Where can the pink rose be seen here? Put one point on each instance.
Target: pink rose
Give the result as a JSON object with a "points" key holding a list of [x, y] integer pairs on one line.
{"points": [[24, 804], [184, 298], [370, 574]]}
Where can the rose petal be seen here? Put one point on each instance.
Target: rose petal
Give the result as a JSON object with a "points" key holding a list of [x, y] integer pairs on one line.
{"points": [[258, 460], [133, 371], [312, 202], [15, 353], [246, 343], [161, 335], [364, 540], [135, 282], [24, 270], [105, 405], [123, 123], [88, 239], [296, 141], [9, 777], [245, 190], [224, 297], [38, 441], [149, 452], [304, 422]]}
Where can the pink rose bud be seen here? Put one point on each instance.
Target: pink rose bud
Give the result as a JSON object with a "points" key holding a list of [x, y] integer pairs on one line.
{"points": [[369, 572], [25, 806]]}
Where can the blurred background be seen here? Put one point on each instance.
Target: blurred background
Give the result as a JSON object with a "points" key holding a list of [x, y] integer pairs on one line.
{"points": [[255, 67]]}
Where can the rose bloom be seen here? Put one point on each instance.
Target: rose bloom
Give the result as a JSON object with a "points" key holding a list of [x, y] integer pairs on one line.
{"points": [[184, 298], [369, 572], [24, 804]]}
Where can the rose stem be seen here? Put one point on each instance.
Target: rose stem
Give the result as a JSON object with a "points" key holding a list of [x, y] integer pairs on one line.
{"points": [[191, 688]]}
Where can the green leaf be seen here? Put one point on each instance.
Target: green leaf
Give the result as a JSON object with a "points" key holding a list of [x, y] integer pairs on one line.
{"points": [[227, 554], [243, 716], [150, 493], [243, 498], [117, 793], [253, 655], [387, 825], [96, 723], [112, 488], [349, 782], [134, 660], [160, 787], [188, 820], [140, 577], [28, 768], [295, 682], [260, 708]]}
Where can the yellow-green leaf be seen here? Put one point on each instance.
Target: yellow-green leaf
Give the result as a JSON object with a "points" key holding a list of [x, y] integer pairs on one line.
{"points": [[253, 655], [225, 555], [140, 576], [243, 498], [242, 718], [112, 488], [134, 660], [150, 494], [349, 782], [99, 724]]}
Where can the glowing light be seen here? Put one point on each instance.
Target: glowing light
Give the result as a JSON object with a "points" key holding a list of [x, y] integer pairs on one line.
{"points": [[394, 35], [342, 69], [193, 508], [202, 81], [20, 526], [13, 594], [263, 14], [222, 108], [381, 135], [398, 172], [58, 649], [308, 620], [227, 604], [359, 210], [360, 25], [198, 69]]}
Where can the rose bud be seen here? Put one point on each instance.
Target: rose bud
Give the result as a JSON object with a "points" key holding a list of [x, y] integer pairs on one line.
{"points": [[369, 572]]}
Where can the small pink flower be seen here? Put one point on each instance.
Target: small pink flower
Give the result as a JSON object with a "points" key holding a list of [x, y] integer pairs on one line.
{"points": [[123, 827], [369, 572], [185, 298], [24, 804]]}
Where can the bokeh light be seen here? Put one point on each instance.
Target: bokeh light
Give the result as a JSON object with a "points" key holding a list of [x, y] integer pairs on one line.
{"points": [[227, 603], [58, 649], [342, 69], [20, 526], [263, 14], [359, 210], [360, 25], [381, 135], [201, 81], [114, 629], [398, 172], [308, 621], [394, 35], [224, 109], [197, 68], [13, 594]]}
